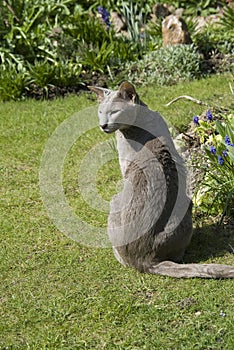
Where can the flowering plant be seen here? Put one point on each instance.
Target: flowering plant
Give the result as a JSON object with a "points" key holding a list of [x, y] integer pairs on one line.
{"points": [[215, 194], [104, 15]]}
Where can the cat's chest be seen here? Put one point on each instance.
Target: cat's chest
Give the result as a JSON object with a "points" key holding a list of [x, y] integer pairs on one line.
{"points": [[126, 152], [133, 150]]}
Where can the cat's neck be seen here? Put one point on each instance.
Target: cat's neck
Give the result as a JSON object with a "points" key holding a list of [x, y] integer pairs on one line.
{"points": [[148, 125]]}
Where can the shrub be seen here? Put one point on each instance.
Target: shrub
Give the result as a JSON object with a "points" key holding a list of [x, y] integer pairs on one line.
{"points": [[166, 65], [198, 7], [68, 74], [39, 38], [227, 21], [42, 73], [215, 194], [62, 73], [214, 39], [13, 83]]}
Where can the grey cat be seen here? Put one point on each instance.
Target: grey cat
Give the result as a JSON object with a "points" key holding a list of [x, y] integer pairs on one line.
{"points": [[150, 221]]}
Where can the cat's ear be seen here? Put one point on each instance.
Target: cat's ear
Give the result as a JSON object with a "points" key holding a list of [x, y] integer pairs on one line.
{"points": [[127, 92], [100, 92]]}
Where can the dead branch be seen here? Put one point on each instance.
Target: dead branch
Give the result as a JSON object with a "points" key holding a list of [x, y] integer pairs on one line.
{"points": [[187, 98]]}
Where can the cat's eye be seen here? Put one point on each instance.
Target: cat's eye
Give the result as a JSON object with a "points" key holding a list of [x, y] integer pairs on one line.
{"points": [[114, 111]]}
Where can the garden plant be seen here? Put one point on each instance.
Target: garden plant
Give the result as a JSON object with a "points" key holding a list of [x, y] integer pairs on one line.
{"points": [[215, 195], [64, 45]]}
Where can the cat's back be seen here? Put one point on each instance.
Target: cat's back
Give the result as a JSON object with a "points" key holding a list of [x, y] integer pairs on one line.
{"points": [[149, 193]]}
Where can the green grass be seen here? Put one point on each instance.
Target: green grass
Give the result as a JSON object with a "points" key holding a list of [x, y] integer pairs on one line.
{"points": [[215, 91], [58, 294]]}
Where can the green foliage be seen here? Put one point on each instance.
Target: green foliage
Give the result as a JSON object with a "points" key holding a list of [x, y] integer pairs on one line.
{"points": [[192, 7], [154, 31], [89, 30], [42, 73], [68, 74], [191, 22], [166, 65], [214, 39], [215, 194], [9, 60], [39, 38], [144, 6], [133, 13], [199, 7], [227, 21], [97, 59], [13, 83], [28, 27], [61, 74]]}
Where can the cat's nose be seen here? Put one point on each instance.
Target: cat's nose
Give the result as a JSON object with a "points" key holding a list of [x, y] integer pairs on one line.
{"points": [[103, 126]]}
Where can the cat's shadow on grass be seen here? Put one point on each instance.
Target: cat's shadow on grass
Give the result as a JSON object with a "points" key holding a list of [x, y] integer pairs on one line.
{"points": [[209, 242]]}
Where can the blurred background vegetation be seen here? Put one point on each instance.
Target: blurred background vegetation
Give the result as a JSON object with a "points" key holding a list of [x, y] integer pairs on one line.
{"points": [[50, 47]]}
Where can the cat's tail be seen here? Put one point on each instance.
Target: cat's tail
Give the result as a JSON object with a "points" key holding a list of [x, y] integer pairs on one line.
{"points": [[169, 268]]}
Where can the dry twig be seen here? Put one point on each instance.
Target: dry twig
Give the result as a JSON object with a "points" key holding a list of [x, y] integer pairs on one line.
{"points": [[187, 98]]}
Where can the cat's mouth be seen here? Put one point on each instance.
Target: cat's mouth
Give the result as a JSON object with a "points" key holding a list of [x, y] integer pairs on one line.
{"points": [[109, 128]]}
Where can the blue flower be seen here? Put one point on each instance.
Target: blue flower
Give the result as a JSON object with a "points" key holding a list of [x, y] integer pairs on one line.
{"points": [[213, 149], [105, 15], [209, 115], [225, 153], [196, 120], [227, 140], [220, 160]]}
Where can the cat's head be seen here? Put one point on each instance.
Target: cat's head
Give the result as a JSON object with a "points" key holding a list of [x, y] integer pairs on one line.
{"points": [[117, 109]]}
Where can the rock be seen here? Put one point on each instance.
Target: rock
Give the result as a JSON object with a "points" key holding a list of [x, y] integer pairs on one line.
{"points": [[175, 31], [202, 22], [118, 22], [160, 11], [179, 12], [181, 145]]}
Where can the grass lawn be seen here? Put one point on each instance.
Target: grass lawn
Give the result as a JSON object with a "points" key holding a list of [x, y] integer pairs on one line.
{"points": [[56, 293]]}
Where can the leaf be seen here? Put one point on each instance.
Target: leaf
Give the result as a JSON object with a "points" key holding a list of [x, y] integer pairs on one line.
{"points": [[230, 133], [220, 128], [210, 155], [231, 152]]}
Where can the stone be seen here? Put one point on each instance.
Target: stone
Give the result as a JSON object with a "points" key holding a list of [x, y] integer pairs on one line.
{"points": [[179, 12], [175, 31], [118, 22], [160, 11]]}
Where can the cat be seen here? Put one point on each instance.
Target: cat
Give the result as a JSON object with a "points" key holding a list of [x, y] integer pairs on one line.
{"points": [[150, 220]]}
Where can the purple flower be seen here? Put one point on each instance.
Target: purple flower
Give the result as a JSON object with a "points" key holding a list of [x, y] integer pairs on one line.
{"points": [[209, 115], [196, 120], [225, 153], [105, 15], [227, 140], [220, 160], [213, 150]]}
